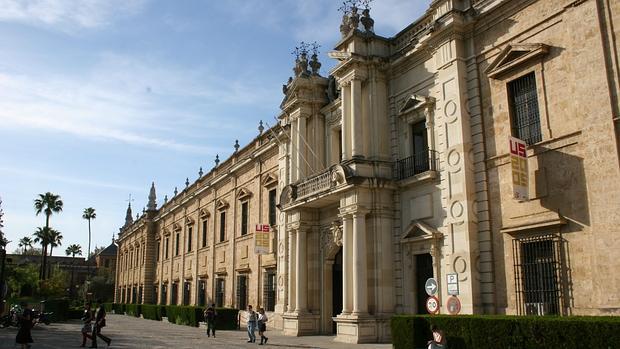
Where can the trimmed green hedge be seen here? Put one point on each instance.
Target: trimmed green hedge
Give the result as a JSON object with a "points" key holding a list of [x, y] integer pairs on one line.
{"points": [[184, 315], [152, 311], [59, 307], [479, 332], [133, 309], [227, 319]]}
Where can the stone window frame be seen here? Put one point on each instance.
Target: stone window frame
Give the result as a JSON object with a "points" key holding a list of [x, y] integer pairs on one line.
{"points": [[244, 197], [514, 62], [417, 108], [205, 215]]}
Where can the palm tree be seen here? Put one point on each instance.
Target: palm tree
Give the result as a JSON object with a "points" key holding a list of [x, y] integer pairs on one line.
{"points": [[56, 239], [89, 213], [43, 235], [47, 203], [25, 242], [73, 250]]}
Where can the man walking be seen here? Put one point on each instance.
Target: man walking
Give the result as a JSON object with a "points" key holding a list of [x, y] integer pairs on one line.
{"points": [[251, 318], [99, 324]]}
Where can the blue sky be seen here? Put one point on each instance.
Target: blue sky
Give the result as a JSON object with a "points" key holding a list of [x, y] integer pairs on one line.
{"points": [[99, 98]]}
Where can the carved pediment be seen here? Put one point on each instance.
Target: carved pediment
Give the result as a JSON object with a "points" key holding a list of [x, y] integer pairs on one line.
{"points": [[515, 55], [189, 221], [166, 231], [221, 204], [418, 231], [176, 226], [204, 213], [270, 179], [415, 102], [243, 194]]}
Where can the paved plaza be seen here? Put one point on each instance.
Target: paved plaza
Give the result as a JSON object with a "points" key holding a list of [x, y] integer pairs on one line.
{"points": [[130, 332]]}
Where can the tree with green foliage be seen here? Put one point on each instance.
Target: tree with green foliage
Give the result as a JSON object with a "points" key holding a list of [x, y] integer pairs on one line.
{"points": [[47, 203], [22, 280], [3, 241], [56, 284], [89, 214], [43, 236], [73, 250], [56, 240], [25, 243]]}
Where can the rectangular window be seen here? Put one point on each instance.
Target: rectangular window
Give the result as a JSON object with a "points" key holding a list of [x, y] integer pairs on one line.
{"points": [[202, 293], [187, 286], [222, 226], [242, 291], [420, 147], [272, 207], [537, 263], [244, 218], [164, 294], [158, 250], [106, 264], [155, 294], [204, 232], [219, 292], [166, 249], [189, 239], [176, 244], [139, 301], [269, 290], [175, 294], [524, 109]]}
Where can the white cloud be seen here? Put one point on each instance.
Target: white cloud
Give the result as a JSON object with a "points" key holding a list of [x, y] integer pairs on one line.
{"points": [[68, 14]]}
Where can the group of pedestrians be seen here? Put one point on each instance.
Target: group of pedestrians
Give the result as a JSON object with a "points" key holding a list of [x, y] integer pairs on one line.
{"points": [[257, 319], [93, 323]]}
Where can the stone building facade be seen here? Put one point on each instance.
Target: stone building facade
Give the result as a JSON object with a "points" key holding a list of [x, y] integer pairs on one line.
{"points": [[399, 167], [198, 247]]}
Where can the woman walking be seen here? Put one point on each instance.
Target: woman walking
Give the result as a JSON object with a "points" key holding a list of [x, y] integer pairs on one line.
{"points": [[25, 324], [87, 328], [99, 323], [262, 326]]}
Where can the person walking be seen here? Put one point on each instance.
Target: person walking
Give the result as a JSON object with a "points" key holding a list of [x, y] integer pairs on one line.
{"points": [[87, 328], [99, 324], [25, 324], [439, 340], [210, 320], [262, 325], [251, 319]]}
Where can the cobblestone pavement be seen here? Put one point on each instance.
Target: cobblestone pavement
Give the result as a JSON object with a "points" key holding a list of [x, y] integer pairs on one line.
{"points": [[130, 332]]}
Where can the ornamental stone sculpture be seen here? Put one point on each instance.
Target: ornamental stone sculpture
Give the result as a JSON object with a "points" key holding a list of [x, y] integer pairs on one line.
{"points": [[367, 22]]}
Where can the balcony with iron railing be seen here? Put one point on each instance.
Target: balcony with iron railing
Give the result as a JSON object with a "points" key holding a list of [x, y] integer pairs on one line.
{"points": [[416, 164]]}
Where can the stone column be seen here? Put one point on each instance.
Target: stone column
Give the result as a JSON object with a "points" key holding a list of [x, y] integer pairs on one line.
{"points": [[301, 147], [357, 146], [291, 271], [301, 282], [346, 123], [360, 268], [347, 271]]}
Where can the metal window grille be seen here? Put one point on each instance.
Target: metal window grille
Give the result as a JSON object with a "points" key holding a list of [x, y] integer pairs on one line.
{"points": [[524, 108], [176, 244], [189, 239], [186, 292], [244, 218], [164, 294], [222, 226], [242, 291], [272, 207], [175, 294], [269, 291], [204, 232], [202, 295], [155, 294], [219, 292], [139, 300], [538, 266]]}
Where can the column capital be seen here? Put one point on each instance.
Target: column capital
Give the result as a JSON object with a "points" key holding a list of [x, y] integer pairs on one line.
{"points": [[353, 75], [352, 211]]}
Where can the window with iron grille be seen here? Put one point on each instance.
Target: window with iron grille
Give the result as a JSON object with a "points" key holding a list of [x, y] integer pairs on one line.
{"points": [[269, 290], [166, 249], [219, 292], [272, 207], [244, 219], [189, 239], [187, 286], [202, 293], [158, 250], [176, 244], [164, 294], [538, 269], [242, 291], [524, 109], [175, 294], [155, 294], [204, 232], [222, 226], [139, 300]]}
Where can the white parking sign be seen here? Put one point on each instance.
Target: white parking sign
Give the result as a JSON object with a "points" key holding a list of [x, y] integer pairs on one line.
{"points": [[453, 284]]}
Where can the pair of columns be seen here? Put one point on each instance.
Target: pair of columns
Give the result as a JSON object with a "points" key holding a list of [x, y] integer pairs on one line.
{"points": [[355, 267]]}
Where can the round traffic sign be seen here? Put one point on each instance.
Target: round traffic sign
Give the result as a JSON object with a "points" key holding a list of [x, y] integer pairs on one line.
{"points": [[431, 287], [454, 305], [432, 305]]}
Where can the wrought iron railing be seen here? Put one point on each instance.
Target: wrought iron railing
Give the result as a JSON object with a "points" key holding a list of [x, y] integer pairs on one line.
{"points": [[416, 164]]}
